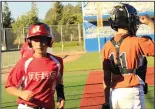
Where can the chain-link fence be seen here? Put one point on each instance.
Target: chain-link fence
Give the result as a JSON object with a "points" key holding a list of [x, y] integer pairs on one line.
{"points": [[67, 38]]}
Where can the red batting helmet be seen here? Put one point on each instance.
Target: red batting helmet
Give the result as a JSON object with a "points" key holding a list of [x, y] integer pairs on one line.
{"points": [[40, 29]]}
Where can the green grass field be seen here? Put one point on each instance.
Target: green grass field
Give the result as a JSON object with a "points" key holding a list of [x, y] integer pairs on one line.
{"points": [[75, 76]]}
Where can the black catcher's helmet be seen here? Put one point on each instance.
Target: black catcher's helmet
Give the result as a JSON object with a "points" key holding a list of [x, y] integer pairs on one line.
{"points": [[124, 16]]}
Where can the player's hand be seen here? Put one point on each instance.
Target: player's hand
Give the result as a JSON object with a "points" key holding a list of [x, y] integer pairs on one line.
{"points": [[60, 103], [145, 20], [26, 95]]}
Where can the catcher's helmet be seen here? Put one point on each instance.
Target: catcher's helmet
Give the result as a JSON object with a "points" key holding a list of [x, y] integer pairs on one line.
{"points": [[40, 30], [124, 16]]}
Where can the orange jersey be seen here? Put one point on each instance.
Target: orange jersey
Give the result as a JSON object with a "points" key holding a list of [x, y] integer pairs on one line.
{"points": [[132, 48]]}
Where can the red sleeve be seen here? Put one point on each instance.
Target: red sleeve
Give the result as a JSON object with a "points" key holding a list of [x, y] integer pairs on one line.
{"points": [[16, 75], [22, 50], [146, 46]]}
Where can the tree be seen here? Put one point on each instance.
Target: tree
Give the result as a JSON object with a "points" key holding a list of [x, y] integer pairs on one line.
{"points": [[34, 11], [64, 15], [24, 21], [6, 14], [67, 12], [71, 14], [58, 8], [54, 15]]}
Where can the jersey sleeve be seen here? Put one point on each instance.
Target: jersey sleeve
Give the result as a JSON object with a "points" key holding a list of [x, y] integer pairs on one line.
{"points": [[16, 75], [22, 50], [106, 61], [146, 46]]}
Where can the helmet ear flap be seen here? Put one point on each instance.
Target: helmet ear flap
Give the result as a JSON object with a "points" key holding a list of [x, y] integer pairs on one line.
{"points": [[50, 43], [112, 24]]}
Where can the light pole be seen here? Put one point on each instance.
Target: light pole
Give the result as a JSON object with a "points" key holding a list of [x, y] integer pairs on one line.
{"points": [[99, 26], [99, 22]]}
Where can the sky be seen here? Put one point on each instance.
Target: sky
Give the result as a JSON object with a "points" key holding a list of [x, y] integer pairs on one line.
{"points": [[19, 8]]}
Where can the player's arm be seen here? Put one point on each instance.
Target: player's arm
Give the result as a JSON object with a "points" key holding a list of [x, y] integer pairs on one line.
{"points": [[26, 95], [13, 91], [107, 80], [148, 21], [14, 81], [60, 88], [107, 76], [144, 44]]}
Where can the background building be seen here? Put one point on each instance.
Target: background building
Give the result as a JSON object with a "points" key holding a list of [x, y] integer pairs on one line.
{"points": [[96, 34]]}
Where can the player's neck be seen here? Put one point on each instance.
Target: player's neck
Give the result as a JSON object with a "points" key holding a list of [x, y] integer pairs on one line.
{"points": [[122, 31], [40, 55]]}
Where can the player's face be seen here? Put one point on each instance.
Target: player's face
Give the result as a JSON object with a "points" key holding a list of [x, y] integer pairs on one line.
{"points": [[39, 44]]}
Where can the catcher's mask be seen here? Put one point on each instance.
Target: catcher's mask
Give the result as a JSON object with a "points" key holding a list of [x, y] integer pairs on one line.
{"points": [[124, 16], [40, 30]]}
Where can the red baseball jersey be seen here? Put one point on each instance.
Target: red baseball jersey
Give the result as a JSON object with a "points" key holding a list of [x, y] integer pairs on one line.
{"points": [[39, 75], [26, 51], [131, 51]]}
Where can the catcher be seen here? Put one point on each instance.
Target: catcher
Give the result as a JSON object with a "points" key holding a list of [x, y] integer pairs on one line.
{"points": [[123, 86], [38, 75]]}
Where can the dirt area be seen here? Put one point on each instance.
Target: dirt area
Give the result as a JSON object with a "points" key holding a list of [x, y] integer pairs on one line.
{"points": [[70, 56], [67, 57], [93, 98]]}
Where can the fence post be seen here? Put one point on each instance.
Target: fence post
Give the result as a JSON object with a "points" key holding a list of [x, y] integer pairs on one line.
{"points": [[24, 33], [62, 45], [5, 39], [71, 37], [79, 30], [1, 25], [19, 42]]}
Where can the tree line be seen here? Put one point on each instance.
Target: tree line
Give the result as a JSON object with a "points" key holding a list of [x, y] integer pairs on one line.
{"points": [[58, 14]]}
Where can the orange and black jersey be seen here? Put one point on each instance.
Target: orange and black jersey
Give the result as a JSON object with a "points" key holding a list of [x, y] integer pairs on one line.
{"points": [[131, 50]]}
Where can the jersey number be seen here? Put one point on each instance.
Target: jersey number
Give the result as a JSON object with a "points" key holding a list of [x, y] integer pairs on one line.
{"points": [[122, 59]]}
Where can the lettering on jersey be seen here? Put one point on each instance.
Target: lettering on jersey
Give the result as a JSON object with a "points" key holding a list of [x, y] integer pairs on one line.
{"points": [[41, 75], [122, 58]]}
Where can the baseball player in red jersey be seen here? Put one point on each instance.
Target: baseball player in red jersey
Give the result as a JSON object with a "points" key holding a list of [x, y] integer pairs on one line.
{"points": [[123, 88], [39, 75], [26, 51]]}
